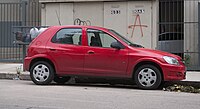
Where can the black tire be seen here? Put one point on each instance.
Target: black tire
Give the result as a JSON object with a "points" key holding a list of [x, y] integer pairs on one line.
{"points": [[61, 80], [42, 73], [148, 77]]}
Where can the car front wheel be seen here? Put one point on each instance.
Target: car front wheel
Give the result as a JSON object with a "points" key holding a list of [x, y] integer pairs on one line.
{"points": [[41, 73], [148, 77]]}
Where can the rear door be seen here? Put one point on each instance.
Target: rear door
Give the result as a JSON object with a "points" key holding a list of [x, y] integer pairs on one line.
{"points": [[65, 49]]}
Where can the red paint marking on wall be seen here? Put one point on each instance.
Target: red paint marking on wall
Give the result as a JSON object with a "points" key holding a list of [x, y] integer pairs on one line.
{"points": [[137, 18]]}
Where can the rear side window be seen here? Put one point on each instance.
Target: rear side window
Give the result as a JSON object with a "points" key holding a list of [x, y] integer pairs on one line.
{"points": [[68, 36]]}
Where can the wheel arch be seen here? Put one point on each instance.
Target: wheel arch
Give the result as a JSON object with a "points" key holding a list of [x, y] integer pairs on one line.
{"points": [[42, 59], [149, 63]]}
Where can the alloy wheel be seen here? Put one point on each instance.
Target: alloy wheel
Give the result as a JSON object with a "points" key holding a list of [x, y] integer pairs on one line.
{"points": [[147, 77], [41, 72]]}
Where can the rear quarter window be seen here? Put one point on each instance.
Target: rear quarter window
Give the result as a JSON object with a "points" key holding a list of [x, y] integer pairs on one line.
{"points": [[68, 36]]}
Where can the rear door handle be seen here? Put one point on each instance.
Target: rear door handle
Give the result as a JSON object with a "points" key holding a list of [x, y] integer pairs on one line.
{"points": [[90, 52], [52, 49]]}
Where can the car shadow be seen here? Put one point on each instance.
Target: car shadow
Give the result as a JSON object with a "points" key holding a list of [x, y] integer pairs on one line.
{"points": [[91, 85], [117, 86], [99, 85]]}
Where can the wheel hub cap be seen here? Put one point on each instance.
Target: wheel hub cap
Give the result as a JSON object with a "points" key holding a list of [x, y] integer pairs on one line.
{"points": [[41, 73], [147, 77]]}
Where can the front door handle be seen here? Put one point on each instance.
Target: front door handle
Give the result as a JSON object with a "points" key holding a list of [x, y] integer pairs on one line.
{"points": [[90, 52]]}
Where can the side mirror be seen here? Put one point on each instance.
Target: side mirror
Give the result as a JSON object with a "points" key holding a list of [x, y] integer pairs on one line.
{"points": [[116, 45]]}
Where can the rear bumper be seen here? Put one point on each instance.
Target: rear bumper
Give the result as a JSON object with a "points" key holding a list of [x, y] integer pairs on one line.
{"points": [[27, 62], [173, 72]]}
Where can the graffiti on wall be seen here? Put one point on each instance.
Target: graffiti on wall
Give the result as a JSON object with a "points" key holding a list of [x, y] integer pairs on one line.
{"points": [[78, 21], [137, 23]]}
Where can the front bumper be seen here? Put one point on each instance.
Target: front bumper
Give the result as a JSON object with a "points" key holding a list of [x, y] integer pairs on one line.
{"points": [[173, 72]]}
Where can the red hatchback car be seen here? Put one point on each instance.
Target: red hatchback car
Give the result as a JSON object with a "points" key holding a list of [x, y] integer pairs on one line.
{"points": [[61, 52]]}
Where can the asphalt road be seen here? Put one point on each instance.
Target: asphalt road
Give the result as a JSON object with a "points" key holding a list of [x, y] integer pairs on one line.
{"points": [[16, 94]]}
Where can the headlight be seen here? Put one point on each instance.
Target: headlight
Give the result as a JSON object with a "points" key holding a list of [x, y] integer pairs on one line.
{"points": [[171, 60]]}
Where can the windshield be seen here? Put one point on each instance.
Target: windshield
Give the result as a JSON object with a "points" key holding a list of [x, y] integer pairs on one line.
{"points": [[125, 40]]}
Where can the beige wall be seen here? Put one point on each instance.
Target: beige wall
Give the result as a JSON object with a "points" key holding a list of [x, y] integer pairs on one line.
{"points": [[56, 13], [141, 33], [92, 12], [115, 15], [114, 20]]}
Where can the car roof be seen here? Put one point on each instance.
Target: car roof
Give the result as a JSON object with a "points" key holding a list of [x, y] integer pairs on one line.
{"points": [[79, 26]]}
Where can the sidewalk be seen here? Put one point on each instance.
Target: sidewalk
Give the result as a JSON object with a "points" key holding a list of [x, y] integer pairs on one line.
{"points": [[9, 71]]}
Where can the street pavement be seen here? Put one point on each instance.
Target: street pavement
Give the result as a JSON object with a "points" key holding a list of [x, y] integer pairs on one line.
{"points": [[19, 94]]}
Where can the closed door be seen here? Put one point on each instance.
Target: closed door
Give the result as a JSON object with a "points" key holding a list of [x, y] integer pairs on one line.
{"points": [[66, 50], [100, 58]]}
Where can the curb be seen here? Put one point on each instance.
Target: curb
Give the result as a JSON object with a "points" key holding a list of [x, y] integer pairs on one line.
{"points": [[14, 76], [184, 83]]}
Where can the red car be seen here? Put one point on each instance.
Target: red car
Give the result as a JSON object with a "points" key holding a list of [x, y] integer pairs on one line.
{"points": [[61, 52]]}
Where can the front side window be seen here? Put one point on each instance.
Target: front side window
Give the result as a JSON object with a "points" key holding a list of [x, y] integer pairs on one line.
{"points": [[68, 36], [99, 38], [125, 40]]}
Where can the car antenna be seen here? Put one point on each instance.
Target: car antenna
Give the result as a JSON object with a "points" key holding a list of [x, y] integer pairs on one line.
{"points": [[58, 18]]}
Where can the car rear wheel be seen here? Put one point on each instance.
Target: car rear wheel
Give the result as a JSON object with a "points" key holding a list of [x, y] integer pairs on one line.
{"points": [[61, 80], [41, 73], [148, 77]]}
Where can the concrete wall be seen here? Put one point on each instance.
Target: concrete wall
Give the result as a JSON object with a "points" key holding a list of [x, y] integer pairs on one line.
{"points": [[191, 30], [136, 20]]}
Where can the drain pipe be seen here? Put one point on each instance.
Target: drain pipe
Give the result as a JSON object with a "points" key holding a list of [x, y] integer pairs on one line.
{"points": [[199, 31]]}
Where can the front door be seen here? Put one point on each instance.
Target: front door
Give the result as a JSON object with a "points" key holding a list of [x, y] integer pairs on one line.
{"points": [[101, 59]]}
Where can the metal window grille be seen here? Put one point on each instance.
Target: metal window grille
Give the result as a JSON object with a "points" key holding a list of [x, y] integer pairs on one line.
{"points": [[179, 30], [24, 13]]}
